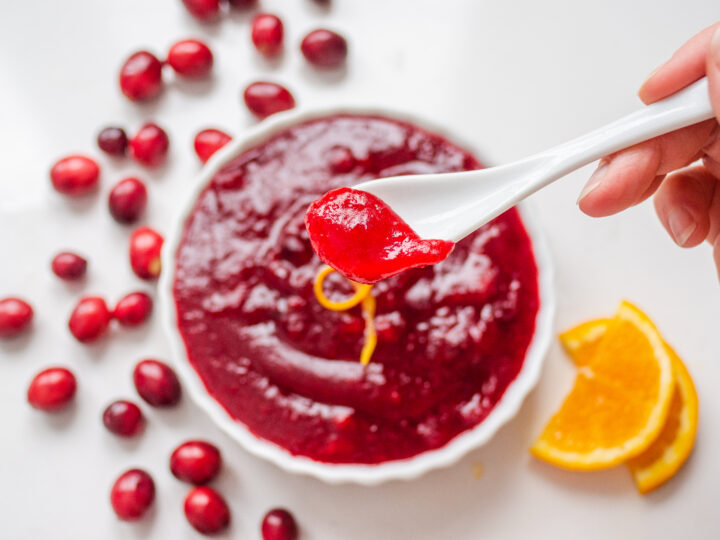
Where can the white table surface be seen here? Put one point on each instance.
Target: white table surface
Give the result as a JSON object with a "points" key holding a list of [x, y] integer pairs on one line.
{"points": [[513, 78]]}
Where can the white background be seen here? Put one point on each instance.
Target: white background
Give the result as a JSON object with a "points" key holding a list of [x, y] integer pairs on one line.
{"points": [[512, 77]]}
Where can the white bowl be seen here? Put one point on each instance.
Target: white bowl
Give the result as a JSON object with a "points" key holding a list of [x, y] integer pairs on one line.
{"points": [[408, 468]]}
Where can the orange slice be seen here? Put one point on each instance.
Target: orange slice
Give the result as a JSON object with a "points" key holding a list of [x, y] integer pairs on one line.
{"points": [[619, 402], [664, 457]]}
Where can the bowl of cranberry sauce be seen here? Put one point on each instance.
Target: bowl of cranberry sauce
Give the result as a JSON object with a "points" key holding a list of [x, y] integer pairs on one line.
{"points": [[459, 344]]}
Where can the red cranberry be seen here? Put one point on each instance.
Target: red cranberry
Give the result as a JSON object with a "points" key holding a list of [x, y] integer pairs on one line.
{"points": [[123, 418], [145, 247], [266, 98], [279, 524], [206, 510], [267, 34], [69, 266], [150, 145], [242, 4], [15, 317], [324, 48], [341, 160], [113, 141], [190, 58], [52, 389], [196, 462], [89, 319], [75, 175], [127, 200], [156, 383], [209, 141], [203, 10], [132, 494], [133, 309], [141, 76]]}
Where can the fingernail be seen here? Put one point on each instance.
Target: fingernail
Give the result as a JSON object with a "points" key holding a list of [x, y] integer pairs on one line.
{"points": [[595, 179], [715, 47], [681, 224]]}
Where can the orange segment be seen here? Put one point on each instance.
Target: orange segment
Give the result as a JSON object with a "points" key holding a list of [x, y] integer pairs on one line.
{"points": [[620, 400], [581, 342]]}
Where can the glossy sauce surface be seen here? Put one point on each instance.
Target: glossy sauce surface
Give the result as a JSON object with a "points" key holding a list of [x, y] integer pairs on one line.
{"points": [[451, 337]]}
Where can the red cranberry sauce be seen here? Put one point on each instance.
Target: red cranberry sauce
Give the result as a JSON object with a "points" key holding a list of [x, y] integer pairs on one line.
{"points": [[451, 337]]}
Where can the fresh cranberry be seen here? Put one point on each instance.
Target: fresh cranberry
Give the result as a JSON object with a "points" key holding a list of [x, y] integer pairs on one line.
{"points": [[69, 266], [266, 98], [243, 4], [279, 524], [156, 383], [203, 10], [127, 200], [324, 48], [190, 58], [196, 462], [123, 418], [52, 389], [89, 319], [15, 317], [132, 494], [75, 175], [113, 141], [267, 34], [145, 247], [150, 145], [141, 76], [133, 309], [206, 510], [209, 141]]}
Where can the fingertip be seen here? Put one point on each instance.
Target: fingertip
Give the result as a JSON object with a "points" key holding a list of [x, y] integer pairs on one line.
{"points": [[713, 71]]}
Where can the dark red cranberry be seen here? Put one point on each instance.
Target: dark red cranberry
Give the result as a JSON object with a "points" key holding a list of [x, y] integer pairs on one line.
{"points": [[141, 76], [243, 4], [196, 462], [279, 524], [266, 98], [123, 418], [267, 34], [89, 319], [203, 10], [133, 309], [206, 510], [156, 383], [324, 48], [113, 141], [15, 317], [150, 145], [127, 200], [209, 141], [145, 247], [75, 175], [341, 160], [132, 494], [52, 389], [69, 266], [190, 58]]}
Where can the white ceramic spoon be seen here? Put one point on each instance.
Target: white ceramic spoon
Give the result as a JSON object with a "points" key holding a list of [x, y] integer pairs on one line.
{"points": [[450, 206]]}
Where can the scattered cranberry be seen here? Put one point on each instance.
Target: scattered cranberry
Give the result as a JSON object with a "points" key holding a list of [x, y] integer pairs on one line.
{"points": [[150, 145], [15, 317], [89, 319], [203, 10], [127, 200], [156, 383], [52, 389], [324, 48], [113, 141], [190, 58], [196, 462], [209, 141], [141, 76], [123, 418], [69, 266], [267, 34], [133, 309], [266, 98], [206, 510], [145, 247], [132, 494], [75, 175], [279, 524]]}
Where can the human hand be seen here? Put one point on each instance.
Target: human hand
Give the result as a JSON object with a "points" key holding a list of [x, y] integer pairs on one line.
{"points": [[687, 199]]}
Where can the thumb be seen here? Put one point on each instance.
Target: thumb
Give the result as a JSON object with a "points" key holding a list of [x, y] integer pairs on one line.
{"points": [[713, 72]]}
